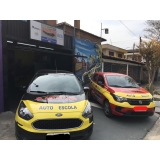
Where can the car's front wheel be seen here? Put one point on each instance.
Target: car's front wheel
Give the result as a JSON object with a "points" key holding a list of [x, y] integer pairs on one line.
{"points": [[107, 109]]}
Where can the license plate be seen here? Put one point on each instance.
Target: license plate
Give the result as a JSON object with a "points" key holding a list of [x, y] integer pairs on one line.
{"points": [[140, 108], [58, 136]]}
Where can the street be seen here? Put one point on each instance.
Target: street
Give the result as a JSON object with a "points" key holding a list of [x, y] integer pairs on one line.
{"points": [[116, 128], [120, 128]]}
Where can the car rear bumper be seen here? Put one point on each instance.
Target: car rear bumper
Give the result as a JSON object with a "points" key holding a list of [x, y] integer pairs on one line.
{"points": [[22, 134]]}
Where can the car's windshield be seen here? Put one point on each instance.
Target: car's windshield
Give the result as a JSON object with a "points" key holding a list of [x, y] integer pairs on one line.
{"points": [[55, 83], [121, 81]]}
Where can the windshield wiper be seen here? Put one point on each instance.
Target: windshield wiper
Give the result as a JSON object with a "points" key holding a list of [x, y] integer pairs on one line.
{"points": [[130, 87], [39, 92], [58, 93], [62, 92], [115, 86]]}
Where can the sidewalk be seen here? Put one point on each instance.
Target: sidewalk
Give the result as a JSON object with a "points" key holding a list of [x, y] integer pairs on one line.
{"points": [[7, 125], [154, 133]]}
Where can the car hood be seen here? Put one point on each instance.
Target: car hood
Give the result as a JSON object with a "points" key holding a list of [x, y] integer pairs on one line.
{"points": [[55, 103], [132, 92], [36, 107]]}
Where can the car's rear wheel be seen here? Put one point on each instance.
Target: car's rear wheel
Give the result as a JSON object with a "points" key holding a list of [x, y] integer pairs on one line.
{"points": [[107, 109]]}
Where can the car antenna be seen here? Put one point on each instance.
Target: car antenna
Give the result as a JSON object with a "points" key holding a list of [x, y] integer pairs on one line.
{"points": [[56, 66]]}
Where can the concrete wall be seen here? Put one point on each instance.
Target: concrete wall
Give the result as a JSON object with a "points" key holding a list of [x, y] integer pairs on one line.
{"points": [[107, 47]]}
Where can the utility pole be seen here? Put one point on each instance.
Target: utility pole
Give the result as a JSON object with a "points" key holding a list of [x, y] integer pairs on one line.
{"points": [[106, 32], [133, 51], [140, 45]]}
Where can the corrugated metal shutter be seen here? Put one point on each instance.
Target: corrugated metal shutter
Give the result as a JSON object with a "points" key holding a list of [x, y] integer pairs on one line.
{"points": [[134, 72], [115, 67], [107, 67]]}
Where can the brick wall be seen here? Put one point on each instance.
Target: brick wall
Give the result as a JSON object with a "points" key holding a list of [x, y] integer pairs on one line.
{"points": [[81, 34], [49, 22]]}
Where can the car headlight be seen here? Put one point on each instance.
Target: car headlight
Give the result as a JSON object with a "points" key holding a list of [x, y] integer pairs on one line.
{"points": [[88, 111], [119, 98], [23, 112]]}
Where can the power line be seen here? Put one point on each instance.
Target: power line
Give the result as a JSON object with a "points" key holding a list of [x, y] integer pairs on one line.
{"points": [[127, 28], [126, 40]]}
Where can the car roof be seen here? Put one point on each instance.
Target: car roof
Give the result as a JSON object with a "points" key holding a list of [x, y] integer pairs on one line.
{"points": [[44, 71], [110, 73]]}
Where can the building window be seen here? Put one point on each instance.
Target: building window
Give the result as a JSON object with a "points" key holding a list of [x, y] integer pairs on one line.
{"points": [[119, 55], [135, 58], [111, 53]]}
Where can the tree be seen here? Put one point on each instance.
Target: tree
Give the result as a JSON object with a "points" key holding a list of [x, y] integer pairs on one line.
{"points": [[150, 50], [153, 30]]}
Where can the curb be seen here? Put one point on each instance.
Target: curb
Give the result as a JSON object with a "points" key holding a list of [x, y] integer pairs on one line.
{"points": [[157, 103], [157, 107]]}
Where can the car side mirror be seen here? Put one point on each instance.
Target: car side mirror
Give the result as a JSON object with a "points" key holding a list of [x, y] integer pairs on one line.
{"points": [[86, 89], [100, 83]]}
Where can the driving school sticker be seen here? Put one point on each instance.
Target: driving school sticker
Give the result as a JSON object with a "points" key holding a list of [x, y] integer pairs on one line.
{"points": [[67, 107], [46, 108]]}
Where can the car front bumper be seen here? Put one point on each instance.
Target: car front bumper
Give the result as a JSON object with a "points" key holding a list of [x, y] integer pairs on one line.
{"points": [[22, 134], [124, 111]]}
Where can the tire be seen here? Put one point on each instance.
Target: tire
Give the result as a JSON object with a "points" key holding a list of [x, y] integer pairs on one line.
{"points": [[107, 109]]}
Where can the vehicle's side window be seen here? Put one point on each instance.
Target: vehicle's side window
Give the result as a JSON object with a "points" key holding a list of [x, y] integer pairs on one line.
{"points": [[101, 80], [95, 77]]}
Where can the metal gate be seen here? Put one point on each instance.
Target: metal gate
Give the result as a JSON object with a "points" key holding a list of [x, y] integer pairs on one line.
{"points": [[133, 71], [115, 67]]}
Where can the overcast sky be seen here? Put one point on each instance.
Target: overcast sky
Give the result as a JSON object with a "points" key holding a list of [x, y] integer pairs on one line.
{"points": [[118, 35], [132, 13]]}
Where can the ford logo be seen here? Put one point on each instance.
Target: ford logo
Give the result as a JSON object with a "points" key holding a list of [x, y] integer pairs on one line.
{"points": [[140, 102], [58, 114]]}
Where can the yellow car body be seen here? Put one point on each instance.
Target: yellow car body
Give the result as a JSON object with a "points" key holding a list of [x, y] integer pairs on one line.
{"points": [[53, 116]]}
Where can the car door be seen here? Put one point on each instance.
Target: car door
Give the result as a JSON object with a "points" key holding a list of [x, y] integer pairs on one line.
{"points": [[100, 89], [93, 85]]}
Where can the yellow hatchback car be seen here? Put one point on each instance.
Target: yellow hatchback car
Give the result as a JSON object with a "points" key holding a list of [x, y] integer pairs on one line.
{"points": [[54, 106]]}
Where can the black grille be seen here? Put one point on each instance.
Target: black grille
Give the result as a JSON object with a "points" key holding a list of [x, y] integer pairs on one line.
{"points": [[139, 101], [57, 123]]}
